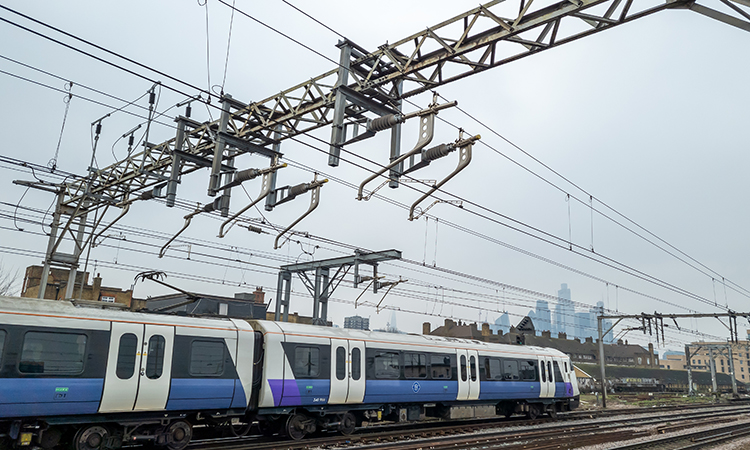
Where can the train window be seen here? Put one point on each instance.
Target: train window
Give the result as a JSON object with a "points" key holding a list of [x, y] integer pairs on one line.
{"points": [[544, 372], [510, 370], [155, 357], [528, 370], [494, 369], [2, 343], [566, 366], [558, 374], [473, 367], [306, 362], [206, 358], [340, 363], [53, 353], [415, 365], [356, 364], [126, 356], [549, 371], [387, 365], [463, 368], [440, 367]]}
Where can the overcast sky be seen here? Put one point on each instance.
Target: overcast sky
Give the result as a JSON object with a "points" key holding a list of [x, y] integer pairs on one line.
{"points": [[649, 118]]}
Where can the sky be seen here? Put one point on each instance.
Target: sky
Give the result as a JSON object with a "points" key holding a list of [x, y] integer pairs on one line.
{"points": [[648, 118]]}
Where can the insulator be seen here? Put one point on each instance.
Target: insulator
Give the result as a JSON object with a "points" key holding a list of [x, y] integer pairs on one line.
{"points": [[148, 195], [384, 122], [212, 206], [255, 229], [151, 97], [244, 175], [436, 152], [130, 140], [298, 189], [99, 128], [188, 110]]}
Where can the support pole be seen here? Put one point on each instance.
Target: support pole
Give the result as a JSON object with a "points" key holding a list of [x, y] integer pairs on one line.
{"points": [[219, 147], [601, 362], [77, 249], [51, 243], [396, 143], [338, 132], [283, 291], [174, 176], [731, 372], [271, 197], [689, 368], [712, 364]]}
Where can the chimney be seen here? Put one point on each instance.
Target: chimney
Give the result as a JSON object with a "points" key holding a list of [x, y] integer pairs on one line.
{"points": [[486, 331], [651, 353], [449, 324], [626, 342], [590, 340], [473, 328], [562, 335], [426, 327], [97, 288], [259, 296], [547, 334], [619, 342]]}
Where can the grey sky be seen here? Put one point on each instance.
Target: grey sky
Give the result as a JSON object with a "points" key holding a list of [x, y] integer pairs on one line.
{"points": [[650, 117]]}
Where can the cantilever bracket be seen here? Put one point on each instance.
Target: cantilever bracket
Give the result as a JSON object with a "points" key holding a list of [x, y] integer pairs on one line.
{"points": [[266, 186], [464, 158], [426, 133], [188, 218], [294, 191], [391, 285]]}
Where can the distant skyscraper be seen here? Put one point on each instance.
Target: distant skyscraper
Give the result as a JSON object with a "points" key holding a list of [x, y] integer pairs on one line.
{"points": [[564, 311], [357, 323], [542, 316], [502, 324], [583, 325]]}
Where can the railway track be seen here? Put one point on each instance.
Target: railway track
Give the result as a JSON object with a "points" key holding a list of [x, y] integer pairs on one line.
{"points": [[571, 430]]}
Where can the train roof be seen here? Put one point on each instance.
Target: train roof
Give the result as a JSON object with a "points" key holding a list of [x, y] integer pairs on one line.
{"points": [[69, 310], [379, 337]]}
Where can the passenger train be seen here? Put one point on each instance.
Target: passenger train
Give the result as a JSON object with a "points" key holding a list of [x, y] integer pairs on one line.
{"points": [[100, 378]]}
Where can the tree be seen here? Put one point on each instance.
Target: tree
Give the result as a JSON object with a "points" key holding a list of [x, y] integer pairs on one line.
{"points": [[8, 280]]}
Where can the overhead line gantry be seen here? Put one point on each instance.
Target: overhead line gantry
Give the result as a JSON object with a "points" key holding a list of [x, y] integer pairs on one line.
{"points": [[366, 91]]}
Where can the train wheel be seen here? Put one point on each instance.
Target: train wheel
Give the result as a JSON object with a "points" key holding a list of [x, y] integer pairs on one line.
{"points": [[178, 434], [348, 424], [533, 411], [90, 437], [295, 426], [552, 411]]}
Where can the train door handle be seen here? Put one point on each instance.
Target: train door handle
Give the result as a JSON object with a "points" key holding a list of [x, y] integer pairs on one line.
{"points": [[143, 372]]}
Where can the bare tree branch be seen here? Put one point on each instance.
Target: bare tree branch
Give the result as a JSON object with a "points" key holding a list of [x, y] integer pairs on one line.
{"points": [[8, 280]]}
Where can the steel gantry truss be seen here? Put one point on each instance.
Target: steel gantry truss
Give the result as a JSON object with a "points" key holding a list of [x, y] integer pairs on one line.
{"points": [[654, 324], [365, 90], [324, 284]]}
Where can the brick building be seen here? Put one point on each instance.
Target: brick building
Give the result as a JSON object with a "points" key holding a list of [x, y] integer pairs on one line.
{"points": [[580, 351], [57, 284]]}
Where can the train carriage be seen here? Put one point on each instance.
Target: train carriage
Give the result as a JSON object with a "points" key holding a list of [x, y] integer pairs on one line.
{"points": [[99, 378]]}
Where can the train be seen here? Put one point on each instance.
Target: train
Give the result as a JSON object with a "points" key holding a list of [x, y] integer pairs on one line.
{"points": [[97, 378]]}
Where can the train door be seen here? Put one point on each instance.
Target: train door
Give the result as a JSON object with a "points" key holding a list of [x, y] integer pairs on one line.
{"points": [[155, 367], [347, 371], [462, 359], [545, 377], [123, 362], [473, 374]]}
